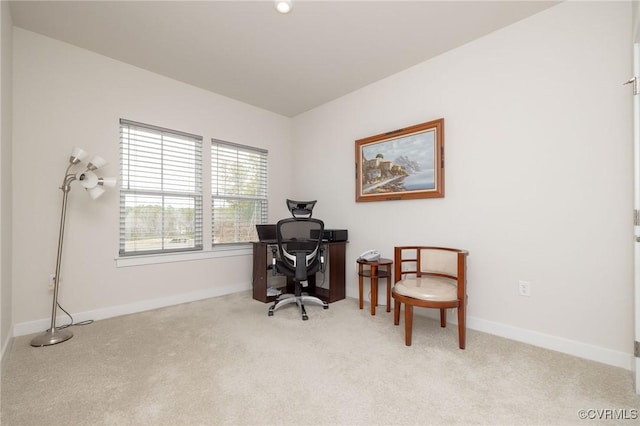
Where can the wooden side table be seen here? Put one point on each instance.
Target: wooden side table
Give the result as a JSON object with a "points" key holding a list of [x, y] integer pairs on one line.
{"points": [[373, 273]]}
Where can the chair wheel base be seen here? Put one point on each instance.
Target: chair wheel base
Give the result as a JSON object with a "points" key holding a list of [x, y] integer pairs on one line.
{"points": [[290, 299]]}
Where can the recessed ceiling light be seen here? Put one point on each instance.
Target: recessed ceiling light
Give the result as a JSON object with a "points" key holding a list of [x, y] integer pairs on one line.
{"points": [[283, 6]]}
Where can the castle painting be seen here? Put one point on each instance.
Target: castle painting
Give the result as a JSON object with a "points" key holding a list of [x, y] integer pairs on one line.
{"points": [[406, 163]]}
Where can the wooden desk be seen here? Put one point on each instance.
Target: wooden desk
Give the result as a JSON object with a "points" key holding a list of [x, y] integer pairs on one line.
{"points": [[373, 273], [335, 253]]}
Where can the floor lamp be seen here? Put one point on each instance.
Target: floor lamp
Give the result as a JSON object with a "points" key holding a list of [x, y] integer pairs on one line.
{"points": [[94, 186]]}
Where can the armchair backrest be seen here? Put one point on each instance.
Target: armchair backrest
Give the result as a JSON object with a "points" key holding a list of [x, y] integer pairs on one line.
{"points": [[436, 261], [439, 261], [299, 241]]}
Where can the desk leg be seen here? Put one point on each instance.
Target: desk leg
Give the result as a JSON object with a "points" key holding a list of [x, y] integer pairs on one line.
{"points": [[374, 289], [360, 283]]}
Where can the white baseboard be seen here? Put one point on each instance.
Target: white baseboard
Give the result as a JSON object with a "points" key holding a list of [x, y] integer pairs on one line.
{"points": [[535, 338], [555, 343], [30, 327]]}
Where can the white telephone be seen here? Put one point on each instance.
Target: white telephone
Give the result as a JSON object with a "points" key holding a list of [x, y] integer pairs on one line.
{"points": [[370, 255]]}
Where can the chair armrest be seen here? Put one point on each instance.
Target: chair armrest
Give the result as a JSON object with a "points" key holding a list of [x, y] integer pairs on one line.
{"points": [[323, 261], [274, 258]]}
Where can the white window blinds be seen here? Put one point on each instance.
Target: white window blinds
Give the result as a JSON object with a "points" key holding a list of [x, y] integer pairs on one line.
{"points": [[238, 192], [161, 190]]}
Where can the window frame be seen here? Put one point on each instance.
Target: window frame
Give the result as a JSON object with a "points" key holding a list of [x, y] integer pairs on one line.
{"points": [[126, 188], [218, 194]]}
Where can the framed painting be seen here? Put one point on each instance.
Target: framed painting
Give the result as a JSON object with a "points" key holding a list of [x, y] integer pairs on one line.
{"points": [[403, 164]]}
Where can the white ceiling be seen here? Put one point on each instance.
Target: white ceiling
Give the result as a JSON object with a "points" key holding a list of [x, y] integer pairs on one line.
{"points": [[247, 51]]}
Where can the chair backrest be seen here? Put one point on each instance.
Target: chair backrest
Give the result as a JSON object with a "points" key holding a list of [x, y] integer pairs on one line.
{"points": [[440, 261], [299, 241]]}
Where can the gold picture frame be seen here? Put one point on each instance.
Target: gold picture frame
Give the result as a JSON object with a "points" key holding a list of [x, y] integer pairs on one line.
{"points": [[403, 164]]}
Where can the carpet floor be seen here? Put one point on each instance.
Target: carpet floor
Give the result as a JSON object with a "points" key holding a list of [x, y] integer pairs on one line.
{"points": [[223, 361]]}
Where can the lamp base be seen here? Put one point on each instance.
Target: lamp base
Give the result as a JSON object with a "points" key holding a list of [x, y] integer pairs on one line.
{"points": [[51, 337]]}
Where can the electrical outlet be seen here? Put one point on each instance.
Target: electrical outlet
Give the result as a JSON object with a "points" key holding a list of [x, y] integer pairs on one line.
{"points": [[524, 287], [52, 281]]}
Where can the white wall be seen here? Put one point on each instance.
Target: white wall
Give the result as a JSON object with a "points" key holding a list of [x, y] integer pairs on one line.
{"points": [[538, 143], [6, 65], [66, 96], [636, 20]]}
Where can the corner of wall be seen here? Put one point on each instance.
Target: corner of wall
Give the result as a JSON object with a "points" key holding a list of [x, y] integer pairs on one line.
{"points": [[4, 355], [6, 141]]}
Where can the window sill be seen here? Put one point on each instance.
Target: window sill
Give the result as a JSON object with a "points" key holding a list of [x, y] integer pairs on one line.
{"points": [[124, 261]]}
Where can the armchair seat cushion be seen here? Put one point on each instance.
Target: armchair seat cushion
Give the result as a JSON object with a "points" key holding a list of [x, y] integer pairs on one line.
{"points": [[427, 288]]}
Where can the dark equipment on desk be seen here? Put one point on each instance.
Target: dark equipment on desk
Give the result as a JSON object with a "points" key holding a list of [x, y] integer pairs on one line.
{"points": [[301, 254], [332, 235], [267, 233]]}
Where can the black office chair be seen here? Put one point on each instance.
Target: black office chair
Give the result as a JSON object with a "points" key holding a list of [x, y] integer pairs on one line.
{"points": [[300, 255]]}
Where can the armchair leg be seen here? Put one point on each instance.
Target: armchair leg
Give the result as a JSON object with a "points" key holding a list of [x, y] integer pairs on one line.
{"points": [[408, 323], [396, 312], [462, 326], [443, 317]]}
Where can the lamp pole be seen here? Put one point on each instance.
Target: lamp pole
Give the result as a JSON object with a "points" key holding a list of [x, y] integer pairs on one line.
{"points": [[53, 335]]}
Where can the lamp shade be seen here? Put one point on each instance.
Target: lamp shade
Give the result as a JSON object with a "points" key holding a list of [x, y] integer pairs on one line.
{"points": [[96, 162], [88, 179], [77, 155], [95, 192], [107, 181]]}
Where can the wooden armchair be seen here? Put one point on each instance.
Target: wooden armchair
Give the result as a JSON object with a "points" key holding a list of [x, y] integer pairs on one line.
{"points": [[437, 279]]}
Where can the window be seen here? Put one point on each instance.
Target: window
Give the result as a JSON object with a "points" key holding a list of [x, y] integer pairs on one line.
{"points": [[161, 190], [238, 192]]}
